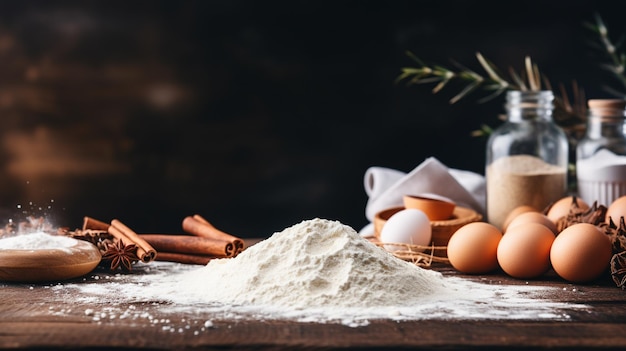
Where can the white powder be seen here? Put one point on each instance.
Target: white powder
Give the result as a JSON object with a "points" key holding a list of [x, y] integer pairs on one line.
{"points": [[601, 177], [37, 241], [315, 271], [312, 264]]}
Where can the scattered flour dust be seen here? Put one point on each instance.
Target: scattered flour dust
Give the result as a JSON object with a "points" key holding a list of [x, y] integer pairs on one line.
{"points": [[324, 271]]}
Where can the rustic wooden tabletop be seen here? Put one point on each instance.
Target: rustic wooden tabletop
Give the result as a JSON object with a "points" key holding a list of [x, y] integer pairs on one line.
{"points": [[37, 316]]}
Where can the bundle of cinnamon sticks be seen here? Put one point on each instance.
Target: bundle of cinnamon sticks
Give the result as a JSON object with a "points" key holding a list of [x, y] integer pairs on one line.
{"points": [[199, 243]]}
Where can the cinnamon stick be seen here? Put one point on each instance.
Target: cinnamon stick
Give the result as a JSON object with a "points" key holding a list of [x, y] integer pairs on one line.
{"points": [[183, 258], [198, 226], [145, 251], [92, 223], [188, 244]]}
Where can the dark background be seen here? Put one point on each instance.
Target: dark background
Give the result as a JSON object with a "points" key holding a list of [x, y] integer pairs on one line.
{"points": [[255, 114]]}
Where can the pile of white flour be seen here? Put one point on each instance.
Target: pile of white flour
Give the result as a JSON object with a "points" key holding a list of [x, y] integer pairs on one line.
{"points": [[316, 263]]}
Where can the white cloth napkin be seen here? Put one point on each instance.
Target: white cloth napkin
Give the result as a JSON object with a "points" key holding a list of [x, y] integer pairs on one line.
{"points": [[386, 187]]}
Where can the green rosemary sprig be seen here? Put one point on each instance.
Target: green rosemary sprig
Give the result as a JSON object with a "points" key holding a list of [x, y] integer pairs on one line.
{"points": [[492, 81], [571, 116]]}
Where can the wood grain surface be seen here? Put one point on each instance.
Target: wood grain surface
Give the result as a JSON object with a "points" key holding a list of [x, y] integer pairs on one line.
{"points": [[37, 316]]}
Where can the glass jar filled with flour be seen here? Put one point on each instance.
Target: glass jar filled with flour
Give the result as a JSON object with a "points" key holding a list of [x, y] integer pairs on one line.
{"points": [[527, 157], [601, 154]]}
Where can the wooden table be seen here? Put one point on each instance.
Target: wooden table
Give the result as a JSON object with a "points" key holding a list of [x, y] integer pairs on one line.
{"points": [[31, 317]]}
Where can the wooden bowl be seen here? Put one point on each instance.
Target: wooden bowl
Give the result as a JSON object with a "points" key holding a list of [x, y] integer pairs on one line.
{"points": [[441, 230], [41, 265]]}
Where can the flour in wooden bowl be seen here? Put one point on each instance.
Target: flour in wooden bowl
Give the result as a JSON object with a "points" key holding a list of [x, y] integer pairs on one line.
{"points": [[37, 241]]}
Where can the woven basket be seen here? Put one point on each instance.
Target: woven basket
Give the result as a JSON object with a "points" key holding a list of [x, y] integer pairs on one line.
{"points": [[441, 230]]}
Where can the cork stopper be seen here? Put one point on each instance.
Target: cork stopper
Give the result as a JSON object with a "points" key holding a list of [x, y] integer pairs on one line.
{"points": [[607, 107], [615, 104]]}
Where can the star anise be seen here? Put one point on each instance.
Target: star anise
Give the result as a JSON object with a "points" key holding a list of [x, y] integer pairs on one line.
{"points": [[121, 255], [617, 234], [593, 215], [618, 269]]}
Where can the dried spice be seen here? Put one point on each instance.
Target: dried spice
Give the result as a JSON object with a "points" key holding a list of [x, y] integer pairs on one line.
{"points": [[101, 238], [593, 215], [115, 252], [617, 234], [90, 235], [121, 255], [618, 269]]}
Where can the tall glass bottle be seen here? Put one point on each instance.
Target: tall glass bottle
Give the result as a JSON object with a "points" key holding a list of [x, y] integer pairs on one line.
{"points": [[601, 154], [527, 157]]}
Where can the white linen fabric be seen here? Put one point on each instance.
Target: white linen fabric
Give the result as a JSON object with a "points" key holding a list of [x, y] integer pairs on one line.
{"points": [[385, 187]]}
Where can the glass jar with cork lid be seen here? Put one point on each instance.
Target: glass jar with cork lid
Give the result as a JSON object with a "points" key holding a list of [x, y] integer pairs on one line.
{"points": [[527, 156], [601, 153]]}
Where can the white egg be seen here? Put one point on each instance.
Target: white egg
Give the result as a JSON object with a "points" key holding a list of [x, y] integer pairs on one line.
{"points": [[408, 226]]}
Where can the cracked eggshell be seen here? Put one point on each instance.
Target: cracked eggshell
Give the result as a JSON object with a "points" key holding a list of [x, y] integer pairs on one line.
{"points": [[436, 208]]}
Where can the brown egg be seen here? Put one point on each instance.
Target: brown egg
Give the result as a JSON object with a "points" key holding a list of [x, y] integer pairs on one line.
{"points": [[616, 210], [524, 250], [533, 217], [516, 211], [581, 253], [473, 248], [561, 208]]}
